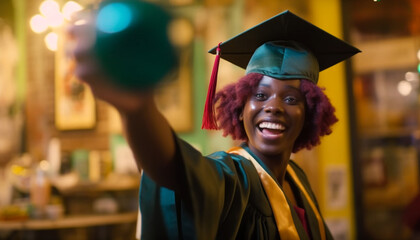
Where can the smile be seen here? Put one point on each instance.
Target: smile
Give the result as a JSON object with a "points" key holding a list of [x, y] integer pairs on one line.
{"points": [[271, 129]]}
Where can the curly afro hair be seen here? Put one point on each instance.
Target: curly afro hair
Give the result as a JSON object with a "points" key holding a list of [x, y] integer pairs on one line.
{"points": [[319, 112]]}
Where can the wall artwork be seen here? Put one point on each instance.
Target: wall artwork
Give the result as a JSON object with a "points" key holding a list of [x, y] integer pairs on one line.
{"points": [[337, 187]]}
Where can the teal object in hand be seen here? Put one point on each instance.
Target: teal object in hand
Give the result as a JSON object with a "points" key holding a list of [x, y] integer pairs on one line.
{"points": [[132, 43]]}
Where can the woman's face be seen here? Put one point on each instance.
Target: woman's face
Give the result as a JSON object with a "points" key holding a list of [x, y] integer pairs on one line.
{"points": [[273, 116]]}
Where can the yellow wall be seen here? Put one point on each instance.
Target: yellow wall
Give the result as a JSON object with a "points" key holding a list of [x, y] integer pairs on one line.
{"points": [[334, 151], [19, 11]]}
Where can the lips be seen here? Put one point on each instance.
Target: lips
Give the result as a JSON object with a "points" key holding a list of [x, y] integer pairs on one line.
{"points": [[271, 129]]}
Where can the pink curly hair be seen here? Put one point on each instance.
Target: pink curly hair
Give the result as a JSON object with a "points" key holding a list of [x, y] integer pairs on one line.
{"points": [[319, 112]]}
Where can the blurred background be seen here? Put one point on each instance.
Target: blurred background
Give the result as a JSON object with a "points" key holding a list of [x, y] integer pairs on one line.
{"points": [[66, 171]]}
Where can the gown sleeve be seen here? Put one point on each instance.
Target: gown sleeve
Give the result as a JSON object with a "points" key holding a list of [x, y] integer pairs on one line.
{"points": [[214, 187]]}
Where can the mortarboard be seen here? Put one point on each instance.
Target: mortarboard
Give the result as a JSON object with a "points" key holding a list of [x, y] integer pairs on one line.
{"points": [[284, 47]]}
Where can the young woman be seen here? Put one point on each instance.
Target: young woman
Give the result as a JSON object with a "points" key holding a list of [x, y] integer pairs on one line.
{"points": [[253, 191]]}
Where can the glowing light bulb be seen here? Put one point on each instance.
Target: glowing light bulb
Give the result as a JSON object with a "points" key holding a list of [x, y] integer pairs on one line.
{"points": [[51, 40], [38, 23]]}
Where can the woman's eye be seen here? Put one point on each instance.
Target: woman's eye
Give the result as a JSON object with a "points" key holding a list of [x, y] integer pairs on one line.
{"points": [[260, 96], [291, 100]]}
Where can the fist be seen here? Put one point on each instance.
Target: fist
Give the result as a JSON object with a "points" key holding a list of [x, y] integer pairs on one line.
{"points": [[130, 40]]}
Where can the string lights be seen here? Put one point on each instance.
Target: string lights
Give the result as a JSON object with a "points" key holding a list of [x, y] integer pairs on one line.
{"points": [[51, 18]]}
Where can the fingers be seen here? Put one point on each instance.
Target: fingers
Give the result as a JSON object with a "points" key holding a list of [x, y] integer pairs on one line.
{"points": [[81, 35], [83, 38], [80, 21]]}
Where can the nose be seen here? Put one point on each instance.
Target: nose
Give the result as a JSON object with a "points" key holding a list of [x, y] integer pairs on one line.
{"points": [[274, 106]]}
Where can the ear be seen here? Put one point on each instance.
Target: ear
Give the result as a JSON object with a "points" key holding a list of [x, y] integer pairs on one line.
{"points": [[241, 117]]}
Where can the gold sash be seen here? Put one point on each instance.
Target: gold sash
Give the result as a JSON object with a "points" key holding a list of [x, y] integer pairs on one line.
{"points": [[278, 201]]}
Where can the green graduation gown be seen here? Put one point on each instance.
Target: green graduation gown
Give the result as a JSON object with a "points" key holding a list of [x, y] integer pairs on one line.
{"points": [[224, 200]]}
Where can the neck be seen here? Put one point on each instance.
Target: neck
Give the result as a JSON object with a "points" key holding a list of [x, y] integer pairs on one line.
{"points": [[276, 163]]}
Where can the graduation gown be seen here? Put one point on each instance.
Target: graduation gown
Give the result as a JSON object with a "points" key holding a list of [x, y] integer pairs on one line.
{"points": [[224, 199]]}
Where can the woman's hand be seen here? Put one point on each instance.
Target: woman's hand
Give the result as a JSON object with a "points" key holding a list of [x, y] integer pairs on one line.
{"points": [[87, 68]]}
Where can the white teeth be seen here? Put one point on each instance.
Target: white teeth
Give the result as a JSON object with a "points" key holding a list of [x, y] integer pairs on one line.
{"points": [[271, 125]]}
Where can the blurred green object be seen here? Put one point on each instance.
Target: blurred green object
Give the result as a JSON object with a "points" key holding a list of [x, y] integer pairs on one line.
{"points": [[80, 163], [132, 43]]}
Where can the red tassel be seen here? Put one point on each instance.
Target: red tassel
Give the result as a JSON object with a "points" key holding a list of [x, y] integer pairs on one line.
{"points": [[209, 120]]}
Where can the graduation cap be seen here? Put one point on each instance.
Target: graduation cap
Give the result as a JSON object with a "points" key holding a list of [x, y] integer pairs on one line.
{"points": [[283, 47]]}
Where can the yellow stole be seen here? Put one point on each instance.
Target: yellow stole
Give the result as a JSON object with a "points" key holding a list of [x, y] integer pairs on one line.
{"points": [[279, 205]]}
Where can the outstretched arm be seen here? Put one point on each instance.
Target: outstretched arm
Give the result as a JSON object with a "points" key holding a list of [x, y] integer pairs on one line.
{"points": [[147, 131]]}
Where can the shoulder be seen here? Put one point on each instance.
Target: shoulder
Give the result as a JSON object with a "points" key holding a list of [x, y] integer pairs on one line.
{"points": [[295, 166], [303, 179], [298, 170], [231, 162], [225, 156], [217, 165], [301, 176]]}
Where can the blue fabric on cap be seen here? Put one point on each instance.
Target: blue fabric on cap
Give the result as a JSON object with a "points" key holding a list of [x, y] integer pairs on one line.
{"points": [[284, 60]]}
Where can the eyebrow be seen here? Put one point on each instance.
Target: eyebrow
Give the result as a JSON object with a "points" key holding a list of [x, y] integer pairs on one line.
{"points": [[293, 87], [287, 86], [265, 85]]}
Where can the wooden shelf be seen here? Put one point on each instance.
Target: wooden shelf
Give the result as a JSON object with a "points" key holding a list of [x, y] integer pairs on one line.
{"points": [[388, 133], [70, 222], [113, 183]]}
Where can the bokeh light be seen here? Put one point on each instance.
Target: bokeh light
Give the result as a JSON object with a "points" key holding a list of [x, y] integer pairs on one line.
{"points": [[51, 40], [38, 23], [181, 32], [55, 20], [49, 7], [411, 76], [404, 88], [113, 18], [44, 165], [70, 8], [51, 17]]}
